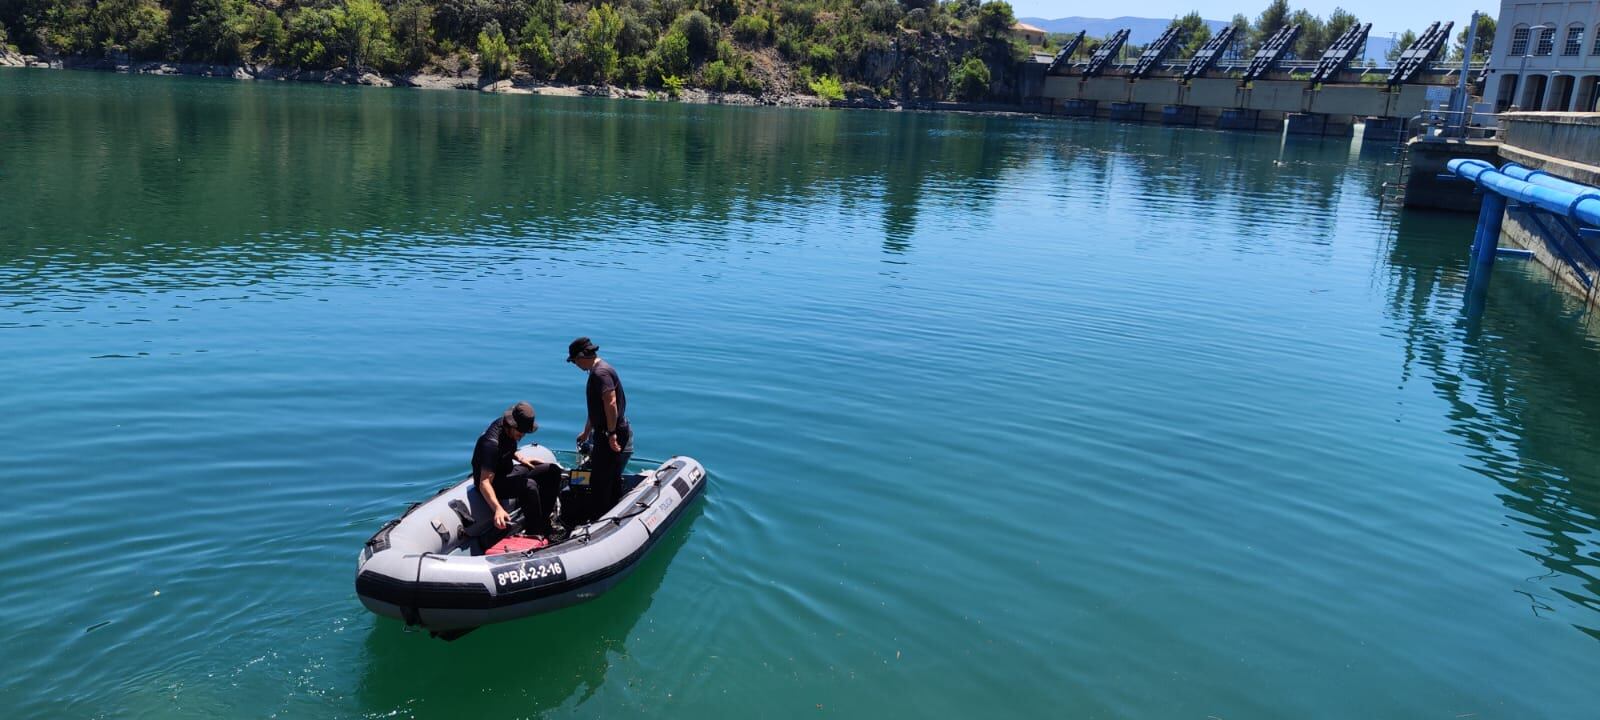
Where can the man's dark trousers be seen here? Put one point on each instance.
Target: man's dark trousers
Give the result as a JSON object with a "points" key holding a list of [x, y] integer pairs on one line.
{"points": [[535, 490], [605, 471]]}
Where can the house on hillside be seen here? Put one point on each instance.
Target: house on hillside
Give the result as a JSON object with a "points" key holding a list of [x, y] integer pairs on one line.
{"points": [[1028, 33]]}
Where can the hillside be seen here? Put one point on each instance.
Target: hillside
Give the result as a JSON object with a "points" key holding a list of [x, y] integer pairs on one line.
{"points": [[919, 49]]}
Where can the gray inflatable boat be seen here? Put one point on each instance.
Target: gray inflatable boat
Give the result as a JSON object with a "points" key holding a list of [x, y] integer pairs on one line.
{"points": [[427, 568]]}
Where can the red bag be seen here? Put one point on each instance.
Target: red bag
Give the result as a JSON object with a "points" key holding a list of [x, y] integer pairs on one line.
{"points": [[518, 543]]}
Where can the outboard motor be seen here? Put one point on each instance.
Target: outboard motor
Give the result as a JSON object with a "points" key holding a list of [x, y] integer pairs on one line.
{"points": [[577, 498]]}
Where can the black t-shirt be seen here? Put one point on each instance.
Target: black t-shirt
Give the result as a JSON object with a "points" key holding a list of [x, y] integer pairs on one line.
{"points": [[602, 379], [495, 452]]}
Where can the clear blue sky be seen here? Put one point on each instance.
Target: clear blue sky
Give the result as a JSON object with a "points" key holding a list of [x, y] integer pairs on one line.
{"points": [[1386, 16]]}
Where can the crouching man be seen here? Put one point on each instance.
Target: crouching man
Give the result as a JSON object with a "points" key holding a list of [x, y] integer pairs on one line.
{"points": [[499, 473]]}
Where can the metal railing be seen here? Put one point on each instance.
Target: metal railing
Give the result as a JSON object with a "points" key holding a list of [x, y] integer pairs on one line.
{"points": [[1230, 65], [1454, 125]]}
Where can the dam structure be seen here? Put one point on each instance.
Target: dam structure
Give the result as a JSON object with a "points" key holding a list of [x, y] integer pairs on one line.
{"points": [[1218, 87]]}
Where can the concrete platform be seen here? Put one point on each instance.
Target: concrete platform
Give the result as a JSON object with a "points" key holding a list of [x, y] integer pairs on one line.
{"points": [[1429, 157]]}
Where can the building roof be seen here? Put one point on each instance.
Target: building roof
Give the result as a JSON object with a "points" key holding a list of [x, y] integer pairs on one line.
{"points": [[1024, 27]]}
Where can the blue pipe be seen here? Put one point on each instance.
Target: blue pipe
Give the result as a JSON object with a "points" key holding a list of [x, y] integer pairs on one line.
{"points": [[1584, 207], [1540, 177], [1485, 245]]}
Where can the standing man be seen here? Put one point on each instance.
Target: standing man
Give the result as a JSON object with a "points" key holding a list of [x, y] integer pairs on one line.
{"points": [[500, 473], [607, 424]]}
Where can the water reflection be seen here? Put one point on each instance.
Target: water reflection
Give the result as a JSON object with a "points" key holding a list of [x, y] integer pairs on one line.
{"points": [[183, 173], [523, 668], [178, 182], [1518, 398]]}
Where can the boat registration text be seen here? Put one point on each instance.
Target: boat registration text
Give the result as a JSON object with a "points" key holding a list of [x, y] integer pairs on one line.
{"points": [[529, 574]]}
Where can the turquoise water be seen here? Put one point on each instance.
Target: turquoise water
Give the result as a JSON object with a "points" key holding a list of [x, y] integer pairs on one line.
{"points": [[1003, 415]]}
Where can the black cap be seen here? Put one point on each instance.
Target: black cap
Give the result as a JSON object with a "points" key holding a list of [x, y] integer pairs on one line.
{"points": [[520, 416], [582, 347]]}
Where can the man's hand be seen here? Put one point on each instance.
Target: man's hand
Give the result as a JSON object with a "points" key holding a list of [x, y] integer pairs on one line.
{"points": [[529, 463], [583, 437], [616, 447], [501, 518]]}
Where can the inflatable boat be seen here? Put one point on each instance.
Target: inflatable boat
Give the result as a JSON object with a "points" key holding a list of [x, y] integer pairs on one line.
{"points": [[429, 566]]}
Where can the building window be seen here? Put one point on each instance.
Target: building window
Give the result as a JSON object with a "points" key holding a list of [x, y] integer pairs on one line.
{"points": [[1519, 41], [1547, 42], [1596, 45], [1574, 44]]}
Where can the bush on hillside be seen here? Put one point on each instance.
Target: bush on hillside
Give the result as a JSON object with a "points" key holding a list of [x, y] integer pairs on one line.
{"points": [[698, 30], [970, 81], [753, 29], [828, 88]]}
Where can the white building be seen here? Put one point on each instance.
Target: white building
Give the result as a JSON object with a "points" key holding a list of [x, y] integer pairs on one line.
{"points": [[1546, 57]]}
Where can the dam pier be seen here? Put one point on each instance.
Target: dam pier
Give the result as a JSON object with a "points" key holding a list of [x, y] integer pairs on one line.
{"points": [[1218, 87]]}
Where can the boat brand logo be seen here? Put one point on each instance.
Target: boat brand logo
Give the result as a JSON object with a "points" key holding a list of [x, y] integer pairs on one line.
{"points": [[653, 520], [529, 574]]}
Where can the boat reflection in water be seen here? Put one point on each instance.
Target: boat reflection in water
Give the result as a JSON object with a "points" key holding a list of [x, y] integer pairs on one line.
{"points": [[520, 668]]}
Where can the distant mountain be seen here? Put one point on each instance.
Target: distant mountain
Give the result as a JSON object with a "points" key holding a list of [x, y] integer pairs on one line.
{"points": [[1146, 30]]}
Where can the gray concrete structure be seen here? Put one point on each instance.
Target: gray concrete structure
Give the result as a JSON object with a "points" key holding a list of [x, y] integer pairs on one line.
{"points": [[1268, 101], [1546, 57], [1566, 146], [1561, 144]]}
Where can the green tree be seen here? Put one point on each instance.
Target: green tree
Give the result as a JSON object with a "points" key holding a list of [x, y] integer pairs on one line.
{"points": [[637, 36], [1310, 43], [59, 26], [698, 30], [1339, 22], [411, 23], [882, 15], [1271, 20], [363, 28], [1195, 33], [313, 35], [672, 55], [600, 41], [995, 20], [230, 31], [460, 21], [1485, 34], [1241, 35], [494, 54], [137, 27], [1407, 39], [537, 44], [970, 81]]}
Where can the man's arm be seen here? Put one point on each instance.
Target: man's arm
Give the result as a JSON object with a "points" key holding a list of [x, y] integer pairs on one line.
{"points": [[609, 400], [486, 489]]}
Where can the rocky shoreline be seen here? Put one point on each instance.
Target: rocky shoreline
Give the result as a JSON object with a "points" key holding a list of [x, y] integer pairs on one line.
{"points": [[515, 86], [519, 85]]}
